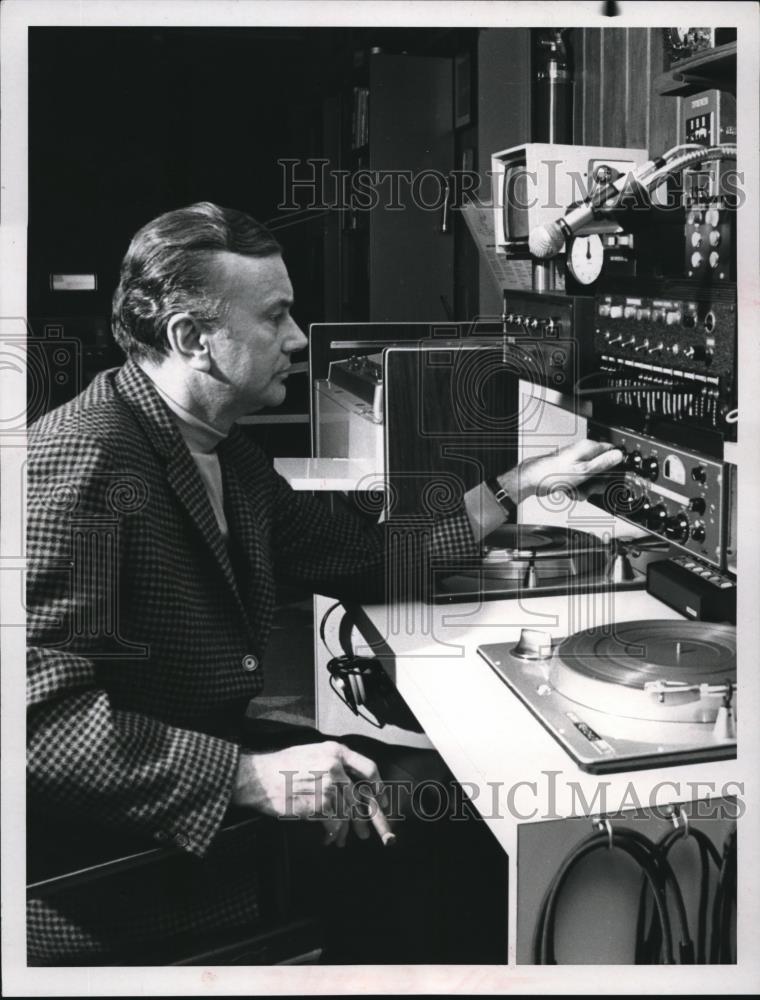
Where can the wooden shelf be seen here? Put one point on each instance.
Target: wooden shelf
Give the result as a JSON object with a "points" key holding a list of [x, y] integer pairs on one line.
{"points": [[714, 69]]}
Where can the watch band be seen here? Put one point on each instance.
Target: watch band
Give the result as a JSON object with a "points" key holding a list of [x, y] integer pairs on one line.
{"points": [[503, 498]]}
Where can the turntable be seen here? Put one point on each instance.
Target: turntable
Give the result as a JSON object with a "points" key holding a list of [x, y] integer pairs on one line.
{"points": [[630, 695], [540, 559]]}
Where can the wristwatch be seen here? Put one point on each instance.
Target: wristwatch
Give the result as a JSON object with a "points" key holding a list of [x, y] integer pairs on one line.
{"points": [[503, 498]]}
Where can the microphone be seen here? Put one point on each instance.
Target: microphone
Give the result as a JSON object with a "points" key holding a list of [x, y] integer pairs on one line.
{"points": [[546, 241]]}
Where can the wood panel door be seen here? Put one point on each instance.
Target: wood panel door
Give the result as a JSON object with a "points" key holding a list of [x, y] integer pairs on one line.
{"points": [[411, 261]]}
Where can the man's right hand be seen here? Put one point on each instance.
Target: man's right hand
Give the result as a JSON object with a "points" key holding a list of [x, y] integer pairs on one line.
{"points": [[315, 781]]}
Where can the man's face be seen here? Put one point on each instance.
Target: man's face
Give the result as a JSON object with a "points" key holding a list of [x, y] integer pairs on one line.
{"points": [[251, 351]]}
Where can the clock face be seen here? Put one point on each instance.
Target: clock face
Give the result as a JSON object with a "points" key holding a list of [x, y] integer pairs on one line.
{"points": [[585, 258]]}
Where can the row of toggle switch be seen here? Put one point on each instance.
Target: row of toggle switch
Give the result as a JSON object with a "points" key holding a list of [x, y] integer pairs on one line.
{"points": [[668, 392], [694, 352], [552, 325]]}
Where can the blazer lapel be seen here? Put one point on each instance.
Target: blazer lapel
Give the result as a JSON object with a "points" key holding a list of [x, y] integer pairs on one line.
{"points": [[240, 502], [182, 474]]}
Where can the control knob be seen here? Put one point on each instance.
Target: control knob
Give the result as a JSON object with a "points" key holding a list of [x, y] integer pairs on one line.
{"points": [[677, 527], [698, 531], [634, 461], [699, 474], [657, 517], [651, 468], [533, 645], [642, 509]]}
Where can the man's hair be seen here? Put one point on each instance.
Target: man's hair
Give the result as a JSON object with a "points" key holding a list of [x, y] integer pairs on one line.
{"points": [[170, 268]]}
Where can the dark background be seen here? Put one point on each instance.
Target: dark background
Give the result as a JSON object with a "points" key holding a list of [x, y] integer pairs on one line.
{"points": [[126, 123]]}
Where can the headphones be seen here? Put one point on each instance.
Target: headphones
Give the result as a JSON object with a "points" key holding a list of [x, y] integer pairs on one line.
{"points": [[362, 684]]}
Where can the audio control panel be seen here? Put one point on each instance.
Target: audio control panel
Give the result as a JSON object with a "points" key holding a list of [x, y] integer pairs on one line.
{"points": [[668, 358], [547, 337], [670, 492]]}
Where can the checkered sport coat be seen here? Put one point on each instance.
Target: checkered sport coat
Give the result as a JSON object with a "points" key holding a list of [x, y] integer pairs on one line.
{"points": [[147, 638]]}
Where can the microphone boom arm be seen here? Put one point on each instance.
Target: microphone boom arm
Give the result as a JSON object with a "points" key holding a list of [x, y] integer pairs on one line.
{"points": [[547, 241]]}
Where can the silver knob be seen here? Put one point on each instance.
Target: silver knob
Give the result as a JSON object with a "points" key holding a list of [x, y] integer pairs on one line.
{"points": [[533, 645]]}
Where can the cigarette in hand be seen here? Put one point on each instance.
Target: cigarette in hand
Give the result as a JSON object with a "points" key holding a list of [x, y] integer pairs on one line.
{"points": [[380, 824]]}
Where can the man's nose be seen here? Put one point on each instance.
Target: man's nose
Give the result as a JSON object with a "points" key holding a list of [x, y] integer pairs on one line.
{"points": [[296, 339]]}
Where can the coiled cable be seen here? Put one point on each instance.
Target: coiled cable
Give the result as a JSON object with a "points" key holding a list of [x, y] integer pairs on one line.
{"points": [[660, 879], [648, 943], [721, 952]]}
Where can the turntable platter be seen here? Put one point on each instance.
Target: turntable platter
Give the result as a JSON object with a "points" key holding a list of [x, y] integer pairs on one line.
{"points": [[658, 670], [632, 653], [521, 541]]}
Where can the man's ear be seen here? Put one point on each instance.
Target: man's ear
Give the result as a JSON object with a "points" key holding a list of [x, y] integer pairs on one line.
{"points": [[187, 341]]}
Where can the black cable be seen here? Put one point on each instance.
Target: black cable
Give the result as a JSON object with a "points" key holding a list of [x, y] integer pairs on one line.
{"points": [[323, 625], [669, 880], [723, 905], [656, 871], [646, 944]]}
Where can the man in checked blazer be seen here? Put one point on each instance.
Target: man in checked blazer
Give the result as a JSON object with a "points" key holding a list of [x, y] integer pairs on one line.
{"points": [[156, 533]]}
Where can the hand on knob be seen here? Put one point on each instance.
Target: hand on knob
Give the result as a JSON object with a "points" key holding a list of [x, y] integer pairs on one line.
{"points": [[571, 469]]}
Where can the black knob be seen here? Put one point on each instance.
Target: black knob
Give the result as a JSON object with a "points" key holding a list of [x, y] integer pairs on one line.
{"points": [[698, 505], [634, 461], [699, 474], [625, 502], [657, 517], [677, 527], [651, 468], [698, 532], [641, 510]]}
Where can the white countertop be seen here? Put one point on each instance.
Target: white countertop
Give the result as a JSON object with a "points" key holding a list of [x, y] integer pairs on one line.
{"points": [[489, 739], [339, 474]]}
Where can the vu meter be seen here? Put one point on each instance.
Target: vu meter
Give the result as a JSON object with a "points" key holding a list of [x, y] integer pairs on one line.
{"points": [[585, 259]]}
